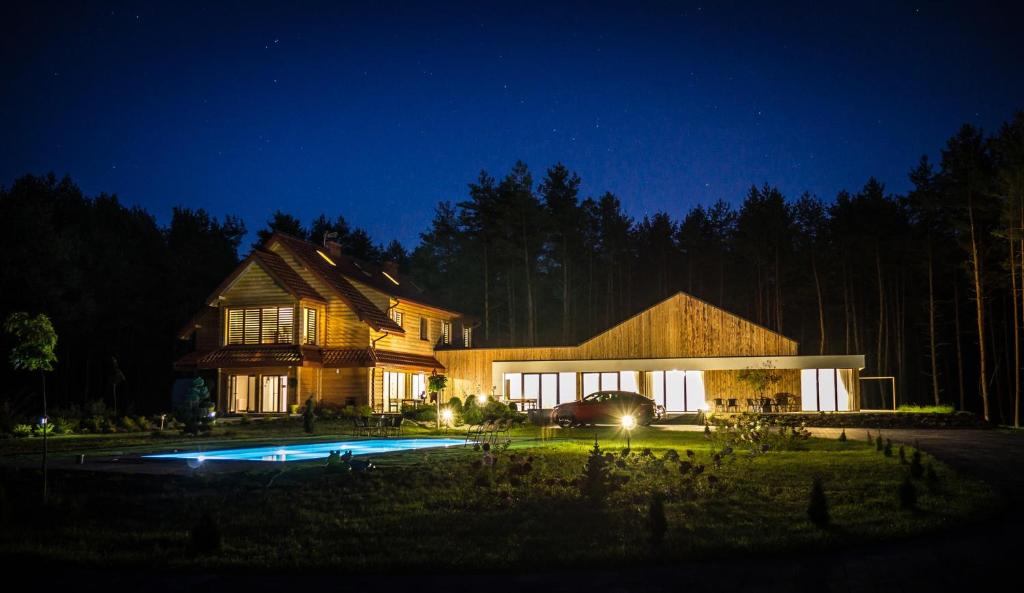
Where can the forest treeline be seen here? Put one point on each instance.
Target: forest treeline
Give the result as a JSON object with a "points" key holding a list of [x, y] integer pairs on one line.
{"points": [[927, 285]]}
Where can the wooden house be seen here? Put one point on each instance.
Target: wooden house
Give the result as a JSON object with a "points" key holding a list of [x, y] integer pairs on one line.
{"points": [[295, 320]]}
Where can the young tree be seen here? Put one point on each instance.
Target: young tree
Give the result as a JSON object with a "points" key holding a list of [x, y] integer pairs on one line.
{"points": [[33, 350]]}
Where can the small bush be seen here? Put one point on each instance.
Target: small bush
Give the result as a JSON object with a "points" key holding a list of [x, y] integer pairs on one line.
{"points": [[596, 482], [842, 436], [817, 507], [656, 520], [39, 429], [143, 423], [204, 537], [916, 469], [22, 430], [907, 494], [878, 443], [127, 424], [64, 425]]}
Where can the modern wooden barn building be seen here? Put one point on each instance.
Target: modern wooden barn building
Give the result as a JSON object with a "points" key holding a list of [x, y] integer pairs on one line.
{"points": [[296, 320]]}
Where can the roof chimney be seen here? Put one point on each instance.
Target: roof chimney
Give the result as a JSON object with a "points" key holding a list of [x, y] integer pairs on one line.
{"points": [[333, 248]]}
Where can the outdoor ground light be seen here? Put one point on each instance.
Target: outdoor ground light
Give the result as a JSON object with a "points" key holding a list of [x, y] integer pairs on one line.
{"points": [[628, 424], [446, 416], [481, 399]]}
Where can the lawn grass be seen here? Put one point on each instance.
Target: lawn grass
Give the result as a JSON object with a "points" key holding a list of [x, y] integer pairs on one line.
{"points": [[441, 510]]}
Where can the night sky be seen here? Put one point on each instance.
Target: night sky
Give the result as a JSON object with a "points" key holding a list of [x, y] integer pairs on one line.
{"points": [[377, 111]]}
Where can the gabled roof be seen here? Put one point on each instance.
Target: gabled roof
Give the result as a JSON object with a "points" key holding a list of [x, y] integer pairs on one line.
{"points": [[335, 278], [277, 269]]}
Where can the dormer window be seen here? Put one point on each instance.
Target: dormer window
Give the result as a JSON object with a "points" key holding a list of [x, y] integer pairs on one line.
{"points": [[446, 332], [467, 337], [396, 316]]}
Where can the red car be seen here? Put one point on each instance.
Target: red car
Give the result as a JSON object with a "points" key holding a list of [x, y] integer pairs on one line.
{"points": [[606, 407]]}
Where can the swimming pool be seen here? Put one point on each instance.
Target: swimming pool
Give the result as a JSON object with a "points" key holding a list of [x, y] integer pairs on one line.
{"points": [[311, 451]]}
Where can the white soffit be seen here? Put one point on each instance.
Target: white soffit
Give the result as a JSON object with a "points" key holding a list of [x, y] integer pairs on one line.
{"points": [[726, 363]]}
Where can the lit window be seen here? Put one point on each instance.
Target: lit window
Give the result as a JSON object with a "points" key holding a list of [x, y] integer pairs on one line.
{"points": [[396, 316], [467, 337], [446, 332], [269, 325], [310, 326]]}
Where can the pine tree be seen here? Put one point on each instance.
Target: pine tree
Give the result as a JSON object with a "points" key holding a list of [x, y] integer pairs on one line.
{"points": [[817, 508]]}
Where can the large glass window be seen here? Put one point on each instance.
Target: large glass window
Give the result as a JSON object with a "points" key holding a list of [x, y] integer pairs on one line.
{"points": [[591, 383], [514, 385], [269, 325], [678, 391], [566, 387], [824, 390]]}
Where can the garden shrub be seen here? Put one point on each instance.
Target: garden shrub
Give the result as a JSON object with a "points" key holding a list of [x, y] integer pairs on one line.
{"points": [[907, 494], [22, 430], [143, 423], [656, 520], [597, 482], [194, 409], [842, 436], [817, 508], [127, 424], [471, 413], [916, 469], [455, 403], [424, 413], [878, 442], [204, 537], [38, 429], [64, 425]]}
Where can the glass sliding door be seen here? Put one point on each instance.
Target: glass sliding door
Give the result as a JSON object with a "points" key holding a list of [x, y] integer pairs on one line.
{"points": [[548, 390], [675, 391], [694, 391], [242, 393], [394, 391], [566, 387], [824, 390], [274, 394]]}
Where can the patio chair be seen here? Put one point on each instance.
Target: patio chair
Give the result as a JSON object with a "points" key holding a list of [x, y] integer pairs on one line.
{"points": [[396, 425], [719, 404], [502, 428], [751, 405], [731, 405], [473, 434], [360, 425], [766, 405], [781, 402]]}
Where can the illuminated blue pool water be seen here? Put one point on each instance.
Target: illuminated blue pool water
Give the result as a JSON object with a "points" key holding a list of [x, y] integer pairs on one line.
{"points": [[312, 451]]}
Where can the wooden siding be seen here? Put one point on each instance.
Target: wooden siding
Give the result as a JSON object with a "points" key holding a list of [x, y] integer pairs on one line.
{"points": [[343, 327], [726, 384], [410, 342], [340, 384], [255, 287], [678, 327]]}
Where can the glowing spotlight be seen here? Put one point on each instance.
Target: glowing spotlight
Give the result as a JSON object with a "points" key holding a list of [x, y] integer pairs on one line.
{"points": [[481, 399], [447, 416], [628, 422]]}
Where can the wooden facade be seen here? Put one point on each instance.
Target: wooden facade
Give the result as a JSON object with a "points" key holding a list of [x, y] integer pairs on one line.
{"points": [[343, 360], [347, 333]]}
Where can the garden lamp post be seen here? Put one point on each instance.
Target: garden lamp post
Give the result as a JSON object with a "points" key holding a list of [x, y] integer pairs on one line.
{"points": [[628, 424]]}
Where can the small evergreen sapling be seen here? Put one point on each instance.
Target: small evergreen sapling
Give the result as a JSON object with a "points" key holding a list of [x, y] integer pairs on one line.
{"points": [[907, 494], [657, 521], [916, 469], [596, 481], [842, 436], [817, 508], [878, 442]]}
